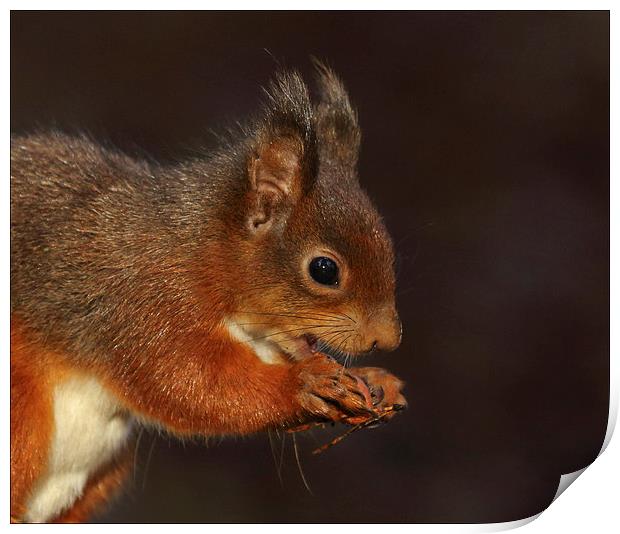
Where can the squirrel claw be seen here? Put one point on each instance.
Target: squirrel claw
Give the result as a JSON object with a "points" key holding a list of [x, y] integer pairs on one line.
{"points": [[329, 394]]}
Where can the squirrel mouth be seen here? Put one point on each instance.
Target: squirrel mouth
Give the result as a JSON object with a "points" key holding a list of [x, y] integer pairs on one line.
{"points": [[309, 345]]}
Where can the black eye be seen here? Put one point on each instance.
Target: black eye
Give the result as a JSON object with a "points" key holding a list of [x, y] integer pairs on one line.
{"points": [[324, 271]]}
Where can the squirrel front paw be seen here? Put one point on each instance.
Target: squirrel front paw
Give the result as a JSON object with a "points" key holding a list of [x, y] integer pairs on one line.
{"points": [[328, 392], [385, 393]]}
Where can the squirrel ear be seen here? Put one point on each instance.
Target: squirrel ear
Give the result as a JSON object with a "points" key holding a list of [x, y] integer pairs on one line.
{"points": [[283, 161], [275, 174], [337, 124]]}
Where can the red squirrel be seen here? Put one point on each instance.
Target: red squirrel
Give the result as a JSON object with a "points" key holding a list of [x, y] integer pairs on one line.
{"points": [[217, 296]]}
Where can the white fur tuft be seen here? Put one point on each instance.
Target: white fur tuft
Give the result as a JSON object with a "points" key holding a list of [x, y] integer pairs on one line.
{"points": [[263, 348], [89, 428]]}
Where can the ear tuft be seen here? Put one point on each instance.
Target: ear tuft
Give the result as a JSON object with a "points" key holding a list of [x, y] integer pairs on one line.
{"points": [[337, 123], [282, 164], [288, 113]]}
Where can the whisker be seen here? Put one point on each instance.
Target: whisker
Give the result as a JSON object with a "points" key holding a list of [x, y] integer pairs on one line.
{"points": [[275, 461], [284, 315], [347, 355], [339, 335], [332, 336], [325, 344], [282, 452], [148, 462], [334, 315], [301, 472], [135, 452], [340, 347], [252, 324], [292, 324], [284, 332], [349, 317], [340, 353]]}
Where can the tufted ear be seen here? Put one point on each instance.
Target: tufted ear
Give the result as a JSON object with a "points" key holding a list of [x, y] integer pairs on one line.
{"points": [[276, 181], [283, 160], [338, 129]]}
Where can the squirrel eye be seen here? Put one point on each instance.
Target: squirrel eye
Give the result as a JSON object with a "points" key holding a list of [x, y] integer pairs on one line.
{"points": [[324, 271]]}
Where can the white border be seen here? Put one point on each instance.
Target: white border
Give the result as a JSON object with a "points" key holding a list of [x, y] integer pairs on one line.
{"points": [[590, 504]]}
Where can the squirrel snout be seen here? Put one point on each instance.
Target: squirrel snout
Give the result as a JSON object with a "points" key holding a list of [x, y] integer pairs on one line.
{"points": [[384, 330]]}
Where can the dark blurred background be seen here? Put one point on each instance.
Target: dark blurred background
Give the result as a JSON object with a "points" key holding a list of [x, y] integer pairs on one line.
{"points": [[486, 147]]}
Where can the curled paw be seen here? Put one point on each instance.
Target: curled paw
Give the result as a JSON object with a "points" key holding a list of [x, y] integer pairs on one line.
{"points": [[384, 390], [328, 392]]}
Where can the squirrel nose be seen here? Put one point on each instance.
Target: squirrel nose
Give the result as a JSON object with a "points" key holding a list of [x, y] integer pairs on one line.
{"points": [[385, 330]]}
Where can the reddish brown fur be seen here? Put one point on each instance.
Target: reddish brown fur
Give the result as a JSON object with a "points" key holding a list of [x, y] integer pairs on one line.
{"points": [[35, 371], [31, 415], [230, 392], [126, 271]]}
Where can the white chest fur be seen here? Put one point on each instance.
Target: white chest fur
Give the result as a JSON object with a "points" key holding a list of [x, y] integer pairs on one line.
{"points": [[90, 428], [261, 344]]}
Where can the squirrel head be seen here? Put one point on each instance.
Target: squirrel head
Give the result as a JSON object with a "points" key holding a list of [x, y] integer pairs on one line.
{"points": [[313, 262]]}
